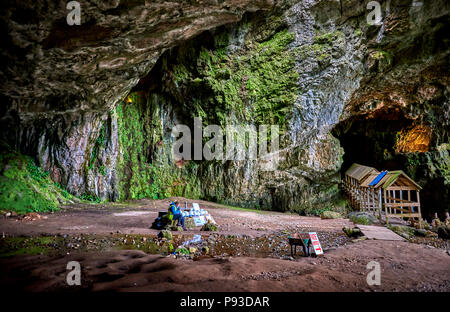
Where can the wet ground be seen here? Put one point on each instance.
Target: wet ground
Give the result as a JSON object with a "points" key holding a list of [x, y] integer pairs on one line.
{"points": [[273, 246], [404, 267], [117, 250]]}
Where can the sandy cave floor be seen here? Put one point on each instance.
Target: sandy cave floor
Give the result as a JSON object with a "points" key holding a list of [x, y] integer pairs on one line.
{"points": [[405, 266]]}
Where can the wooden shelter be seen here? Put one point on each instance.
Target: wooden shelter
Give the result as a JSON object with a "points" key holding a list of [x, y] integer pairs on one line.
{"points": [[354, 177], [388, 193], [400, 195]]}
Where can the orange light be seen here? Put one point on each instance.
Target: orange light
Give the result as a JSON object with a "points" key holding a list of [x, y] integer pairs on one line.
{"points": [[414, 140]]}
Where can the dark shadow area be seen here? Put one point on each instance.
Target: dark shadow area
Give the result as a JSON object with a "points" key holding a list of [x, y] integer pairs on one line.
{"points": [[371, 142]]}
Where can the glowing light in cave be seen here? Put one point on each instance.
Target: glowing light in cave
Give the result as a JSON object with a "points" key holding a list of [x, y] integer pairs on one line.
{"points": [[413, 140]]}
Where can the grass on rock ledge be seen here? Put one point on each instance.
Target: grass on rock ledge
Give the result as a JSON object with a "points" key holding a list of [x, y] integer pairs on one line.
{"points": [[25, 187]]}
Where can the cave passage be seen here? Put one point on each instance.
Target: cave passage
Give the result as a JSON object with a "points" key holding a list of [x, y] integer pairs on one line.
{"points": [[371, 141]]}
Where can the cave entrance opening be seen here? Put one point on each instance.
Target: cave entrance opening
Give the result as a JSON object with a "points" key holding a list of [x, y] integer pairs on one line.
{"points": [[373, 140]]}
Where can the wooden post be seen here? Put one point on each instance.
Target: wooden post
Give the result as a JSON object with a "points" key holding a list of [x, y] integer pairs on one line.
{"points": [[401, 200], [385, 206], [367, 195], [380, 203], [395, 201], [418, 207], [357, 198], [389, 202]]}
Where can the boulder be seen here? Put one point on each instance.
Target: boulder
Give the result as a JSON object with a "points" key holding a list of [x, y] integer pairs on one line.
{"points": [[192, 250], [205, 249], [443, 232], [436, 223], [330, 215], [422, 224], [431, 234], [420, 232], [404, 235], [209, 227], [165, 234], [364, 218], [359, 239], [352, 232], [404, 231]]}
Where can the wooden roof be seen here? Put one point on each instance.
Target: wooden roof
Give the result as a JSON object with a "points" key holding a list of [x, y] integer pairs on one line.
{"points": [[369, 179], [396, 177], [360, 172]]}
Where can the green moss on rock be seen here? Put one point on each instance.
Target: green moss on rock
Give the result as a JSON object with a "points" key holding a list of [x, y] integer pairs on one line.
{"points": [[380, 60], [257, 84], [165, 234], [139, 133], [322, 46], [330, 215], [403, 231], [443, 162], [25, 187], [363, 218], [209, 227]]}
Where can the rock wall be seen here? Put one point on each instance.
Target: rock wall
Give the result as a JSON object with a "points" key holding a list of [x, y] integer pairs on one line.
{"points": [[95, 104], [399, 116], [61, 81]]}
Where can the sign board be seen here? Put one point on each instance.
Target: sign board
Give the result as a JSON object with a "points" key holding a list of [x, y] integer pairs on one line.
{"points": [[316, 243]]}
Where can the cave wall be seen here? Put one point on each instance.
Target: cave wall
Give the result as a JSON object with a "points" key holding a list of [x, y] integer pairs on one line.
{"points": [[242, 74], [399, 116], [60, 82], [95, 105]]}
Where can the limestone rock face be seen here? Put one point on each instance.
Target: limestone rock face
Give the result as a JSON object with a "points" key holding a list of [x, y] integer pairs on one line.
{"points": [[60, 81], [54, 68], [401, 107], [95, 103]]}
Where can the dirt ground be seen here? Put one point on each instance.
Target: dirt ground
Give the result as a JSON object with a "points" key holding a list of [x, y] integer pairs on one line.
{"points": [[136, 217], [404, 266]]}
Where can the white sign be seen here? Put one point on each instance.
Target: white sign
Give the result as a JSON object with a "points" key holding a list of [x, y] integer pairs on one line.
{"points": [[316, 243], [199, 220]]}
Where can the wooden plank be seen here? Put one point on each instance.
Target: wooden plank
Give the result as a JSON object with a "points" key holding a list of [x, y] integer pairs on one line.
{"points": [[404, 188], [379, 233], [401, 209], [405, 215], [403, 204], [401, 200]]}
